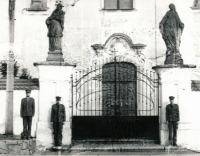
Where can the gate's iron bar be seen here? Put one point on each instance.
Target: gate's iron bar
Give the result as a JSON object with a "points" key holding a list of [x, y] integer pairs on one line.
{"points": [[115, 81], [127, 98], [100, 89], [138, 82], [135, 91], [76, 94], [91, 92], [159, 93], [88, 91], [121, 110], [110, 110], [142, 89], [95, 90], [80, 106], [150, 93], [72, 103], [155, 102], [146, 91], [84, 93]]}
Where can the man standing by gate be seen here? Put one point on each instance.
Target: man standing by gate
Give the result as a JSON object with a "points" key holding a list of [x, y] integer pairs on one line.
{"points": [[57, 118], [172, 118], [27, 112]]}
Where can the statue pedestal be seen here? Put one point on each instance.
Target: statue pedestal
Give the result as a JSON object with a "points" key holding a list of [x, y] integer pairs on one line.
{"points": [[54, 80], [55, 56], [174, 59], [176, 81]]}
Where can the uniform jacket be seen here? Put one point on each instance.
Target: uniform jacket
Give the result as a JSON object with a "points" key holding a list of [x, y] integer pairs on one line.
{"points": [[58, 113], [27, 107], [172, 112]]}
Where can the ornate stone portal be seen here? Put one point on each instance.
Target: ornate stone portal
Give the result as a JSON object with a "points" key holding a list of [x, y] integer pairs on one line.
{"points": [[171, 29], [122, 48]]}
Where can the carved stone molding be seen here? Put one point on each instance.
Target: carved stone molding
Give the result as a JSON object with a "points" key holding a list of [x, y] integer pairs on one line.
{"points": [[121, 47]]}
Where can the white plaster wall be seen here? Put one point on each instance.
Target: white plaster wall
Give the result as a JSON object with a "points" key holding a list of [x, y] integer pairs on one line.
{"points": [[18, 122], [4, 31], [54, 81], [86, 24], [2, 111], [177, 83], [190, 137]]}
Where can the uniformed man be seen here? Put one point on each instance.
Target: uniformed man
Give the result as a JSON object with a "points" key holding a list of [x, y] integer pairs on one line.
{"points": [[27, 112], [172, 118], [57, 118]]}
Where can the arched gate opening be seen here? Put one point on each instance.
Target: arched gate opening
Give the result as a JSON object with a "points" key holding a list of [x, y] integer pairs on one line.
{"points": [[116, 100]]}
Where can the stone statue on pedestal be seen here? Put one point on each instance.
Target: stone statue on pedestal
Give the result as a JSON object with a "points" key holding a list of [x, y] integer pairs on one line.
{"points": [[55, 25], [171, 29]]}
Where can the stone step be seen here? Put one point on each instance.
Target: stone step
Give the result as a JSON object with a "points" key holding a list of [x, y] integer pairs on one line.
{"points": [[13, 145], [118, 147], [122, 141]]}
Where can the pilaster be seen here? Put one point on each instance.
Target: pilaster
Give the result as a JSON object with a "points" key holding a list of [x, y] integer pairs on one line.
{"points": [[175, 81], [54, 79]]}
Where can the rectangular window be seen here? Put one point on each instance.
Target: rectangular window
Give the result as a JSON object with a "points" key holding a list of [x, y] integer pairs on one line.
{"points": [[195, 85], [38, 5], [118, 4]]}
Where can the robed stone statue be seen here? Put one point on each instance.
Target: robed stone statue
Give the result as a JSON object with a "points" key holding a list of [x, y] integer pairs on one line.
{"points": [[55, 25], [171, 28]]}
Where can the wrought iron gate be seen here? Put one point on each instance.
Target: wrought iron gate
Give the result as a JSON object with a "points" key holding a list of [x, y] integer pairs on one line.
{"points": [[115, 100]]}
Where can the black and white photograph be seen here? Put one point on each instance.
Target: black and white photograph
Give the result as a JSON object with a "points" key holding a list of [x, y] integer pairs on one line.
{"points": [[100, 77]]}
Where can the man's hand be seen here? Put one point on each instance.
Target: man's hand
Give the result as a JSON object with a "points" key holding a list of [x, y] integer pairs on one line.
{"points": [[167, 122]]}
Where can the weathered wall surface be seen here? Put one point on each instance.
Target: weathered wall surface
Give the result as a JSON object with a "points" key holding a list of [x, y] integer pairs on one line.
{"points": [[87, 23], [18, 123], [4, 31]]}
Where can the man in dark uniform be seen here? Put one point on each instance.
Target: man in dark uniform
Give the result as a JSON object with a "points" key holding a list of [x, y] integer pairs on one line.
{"points": [[57, 118], [27, 112], [172, 118]]}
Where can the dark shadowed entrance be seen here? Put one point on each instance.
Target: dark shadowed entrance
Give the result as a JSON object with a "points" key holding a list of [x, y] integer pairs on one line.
{"points": [[119, 89]]}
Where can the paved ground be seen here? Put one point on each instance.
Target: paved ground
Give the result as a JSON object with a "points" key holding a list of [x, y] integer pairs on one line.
{"points": [[119, 149], [188, 153]]}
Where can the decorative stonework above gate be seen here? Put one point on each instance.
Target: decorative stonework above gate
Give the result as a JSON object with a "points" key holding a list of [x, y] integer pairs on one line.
{"points": [[119, 46]]}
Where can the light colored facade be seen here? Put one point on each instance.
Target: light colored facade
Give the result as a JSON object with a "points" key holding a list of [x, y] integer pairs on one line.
{"points": [[86, 24]]}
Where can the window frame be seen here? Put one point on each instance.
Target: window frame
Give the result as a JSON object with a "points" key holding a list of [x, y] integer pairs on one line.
{"points": [[118, 6], [43, 4]]}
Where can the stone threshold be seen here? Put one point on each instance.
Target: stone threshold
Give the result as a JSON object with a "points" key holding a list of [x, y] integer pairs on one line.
{"points": [[128, 147], [115, 141]]}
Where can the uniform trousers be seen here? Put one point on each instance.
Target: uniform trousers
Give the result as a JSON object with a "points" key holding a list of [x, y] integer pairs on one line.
{"points": [[57, 127], [27, 123], [173, 126]]}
